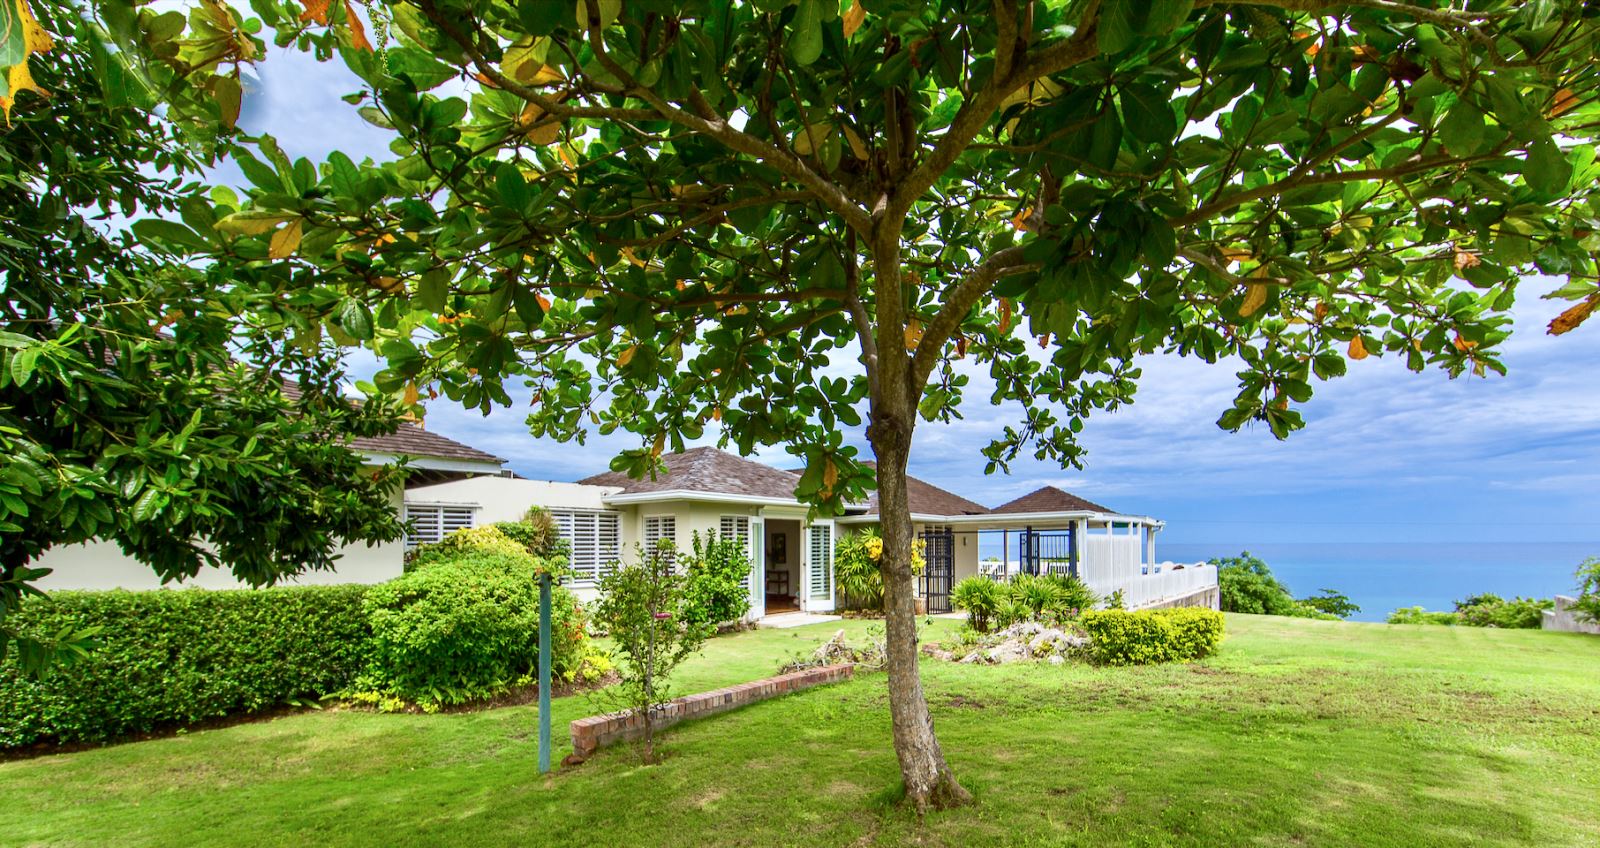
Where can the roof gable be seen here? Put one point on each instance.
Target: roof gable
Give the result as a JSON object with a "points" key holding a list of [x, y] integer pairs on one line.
{"points": [[1049, 499], [708, 471], [407, 440]]}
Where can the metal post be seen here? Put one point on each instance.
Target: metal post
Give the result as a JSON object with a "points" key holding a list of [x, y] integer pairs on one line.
{"points": [[544, 674]]}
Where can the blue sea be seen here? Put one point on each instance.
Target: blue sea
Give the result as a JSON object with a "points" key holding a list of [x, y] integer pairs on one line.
{"points": [[1382, 576]]}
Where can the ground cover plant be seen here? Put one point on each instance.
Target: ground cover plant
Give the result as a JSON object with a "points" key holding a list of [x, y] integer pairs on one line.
{"points": [[1296, 732], [1485, 610]]}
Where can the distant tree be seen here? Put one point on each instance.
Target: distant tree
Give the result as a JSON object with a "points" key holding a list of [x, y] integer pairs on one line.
{"points": [[674, 216], [125, 414], [1332, 603], [1245, 584], [1589, 588]]}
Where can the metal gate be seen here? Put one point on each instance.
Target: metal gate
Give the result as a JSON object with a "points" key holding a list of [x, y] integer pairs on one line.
{"points": [[938, 567], [1049, 551]]}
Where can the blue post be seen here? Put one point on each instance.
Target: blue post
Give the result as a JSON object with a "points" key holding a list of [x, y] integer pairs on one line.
{"points": [[544, 674]]}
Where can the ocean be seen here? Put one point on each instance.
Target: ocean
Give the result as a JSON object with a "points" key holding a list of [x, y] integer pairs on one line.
{"points": [[1382, 576]]}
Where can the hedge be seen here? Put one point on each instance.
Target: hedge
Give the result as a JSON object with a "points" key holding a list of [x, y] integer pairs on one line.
{"points": [[177, 657], [1120, 637]]}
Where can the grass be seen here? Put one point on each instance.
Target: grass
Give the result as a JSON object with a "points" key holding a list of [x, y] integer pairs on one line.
{"points": [[1298, 733]]}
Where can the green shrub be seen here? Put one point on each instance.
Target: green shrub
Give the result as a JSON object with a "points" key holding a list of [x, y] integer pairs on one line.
{"points": [[464, 630], [536, 532], [1418, 615], [490, 539], [1589, 588], [855, 570], [1489, 610], [1120, 637], [717, 588], [1045, 598], [176, 657], [980, 598], [1245, 584]]}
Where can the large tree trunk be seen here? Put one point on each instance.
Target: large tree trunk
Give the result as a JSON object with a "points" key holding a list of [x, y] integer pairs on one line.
{"points": [[928, 779]]}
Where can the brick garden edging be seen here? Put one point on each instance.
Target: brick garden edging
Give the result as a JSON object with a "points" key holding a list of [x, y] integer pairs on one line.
{"points": [[596, 732]]}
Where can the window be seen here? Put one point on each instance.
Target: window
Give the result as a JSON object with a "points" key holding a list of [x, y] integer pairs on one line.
{"points": [[432, 522], [821, 560], [595, 539], [735, 527], [658, 529]]}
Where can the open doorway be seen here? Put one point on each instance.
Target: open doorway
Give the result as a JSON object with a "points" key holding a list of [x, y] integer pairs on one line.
{"points": [[783, 565]]}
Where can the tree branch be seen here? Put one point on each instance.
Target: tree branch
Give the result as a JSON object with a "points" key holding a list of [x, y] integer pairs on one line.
{"points": [[960, 301]]}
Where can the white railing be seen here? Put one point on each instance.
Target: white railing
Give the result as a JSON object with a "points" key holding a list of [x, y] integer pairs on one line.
{"points": [[1164, 582]]}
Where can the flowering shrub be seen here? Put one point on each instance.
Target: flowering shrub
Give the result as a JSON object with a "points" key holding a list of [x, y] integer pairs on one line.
{"points": [[856, 567]]}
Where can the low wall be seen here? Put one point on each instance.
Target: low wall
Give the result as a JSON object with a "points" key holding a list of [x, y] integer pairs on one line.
{"points": [[596, 732], [1565, 618], [1208, 598]]}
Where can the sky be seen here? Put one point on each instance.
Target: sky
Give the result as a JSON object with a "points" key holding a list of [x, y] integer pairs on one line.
{"points": [[1387, 455]]}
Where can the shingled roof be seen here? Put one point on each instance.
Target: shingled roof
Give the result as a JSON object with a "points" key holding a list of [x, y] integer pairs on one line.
{"points": [[706, 470], [1049, 499], [411, 440], [928, 499]]}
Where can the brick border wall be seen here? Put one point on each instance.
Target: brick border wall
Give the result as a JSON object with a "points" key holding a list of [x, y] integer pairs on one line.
{"points": [[596, 732]]}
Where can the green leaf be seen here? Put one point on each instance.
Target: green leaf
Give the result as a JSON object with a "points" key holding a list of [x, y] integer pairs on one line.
{"points": [[1120, 22], [805, 32], [1105, 140], [512, 188], [433, 290], [168, 234], [529, 309], [420, 67], [1164, 16], [356, 319], [542, 17], [1462, 130], [1547, 170], [1148, 114], [253, 222]]}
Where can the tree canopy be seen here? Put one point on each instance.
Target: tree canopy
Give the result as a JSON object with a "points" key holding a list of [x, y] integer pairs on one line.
{"points": [[140, 400], [674, 217]]}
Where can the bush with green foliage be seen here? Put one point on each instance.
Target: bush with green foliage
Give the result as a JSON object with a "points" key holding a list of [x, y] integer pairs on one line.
{"points": [[1119, 637], [171, 658], [1246, 584], [1589, 588], [855, 570], [717, 588], [980, 597], [1490, 610], [462, 630], [536, 532], [1418, 615], [1049, 598], [489, 539], [643, 608]]}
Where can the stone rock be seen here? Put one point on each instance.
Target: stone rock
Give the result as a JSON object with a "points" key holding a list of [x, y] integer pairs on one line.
{"points": [[1057, 659]]}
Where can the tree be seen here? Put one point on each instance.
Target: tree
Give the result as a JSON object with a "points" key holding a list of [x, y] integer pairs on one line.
{"points": [[646, 611], [126, 410], [670, 216], [1330, 602]]}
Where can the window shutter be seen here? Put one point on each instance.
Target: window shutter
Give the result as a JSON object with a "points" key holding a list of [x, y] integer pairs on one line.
{"points": [[432, 523], [594, 539], [821, 555]]}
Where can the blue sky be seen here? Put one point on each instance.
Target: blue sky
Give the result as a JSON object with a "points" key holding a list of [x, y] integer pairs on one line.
{"points": [[1387, 456]]}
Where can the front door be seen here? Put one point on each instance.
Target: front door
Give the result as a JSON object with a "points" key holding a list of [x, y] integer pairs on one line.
{"points": [[816, 593], [938, 567]]}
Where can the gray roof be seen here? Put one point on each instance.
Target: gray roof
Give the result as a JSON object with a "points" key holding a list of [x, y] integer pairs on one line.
{"points": [[411, 440], [706, 470], [928, 499], [1049, 499]]}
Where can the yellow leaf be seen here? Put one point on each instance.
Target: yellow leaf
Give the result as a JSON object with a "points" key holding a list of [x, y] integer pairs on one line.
{"points": [[810, 137], [1255, 297], [543, 75], [547, 132], [251, 223], [358, 31], [661, 442], [1565, 102], [34, 40], [19, 79], [716, 413], [1358, 348], [1576, 314], [853, 18], [913, 333], [1005, 315], [411, 395], [857, 146], [285, 241], [316, 10], [626, 357], [830, 476]]}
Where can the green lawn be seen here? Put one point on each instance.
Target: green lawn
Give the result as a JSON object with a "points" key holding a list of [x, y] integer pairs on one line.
{"points": [[1299, 732]]}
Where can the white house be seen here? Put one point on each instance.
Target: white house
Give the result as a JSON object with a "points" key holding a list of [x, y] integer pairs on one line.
{"points": [[432, 458], [704, 489]]}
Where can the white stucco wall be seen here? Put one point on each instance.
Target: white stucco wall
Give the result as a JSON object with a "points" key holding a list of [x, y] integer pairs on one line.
{"points": [[102, 565]]}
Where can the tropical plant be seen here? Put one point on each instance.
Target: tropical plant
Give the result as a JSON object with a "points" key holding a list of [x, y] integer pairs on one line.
{"points": [[717, 585], [643, 608], [1490, 610], [858, 570], [144, 401], [1588, 601], [980, 598], [1330, 602], [675, 217], [1418, 615]]}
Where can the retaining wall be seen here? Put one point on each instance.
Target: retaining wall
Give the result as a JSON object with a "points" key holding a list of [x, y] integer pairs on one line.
{"points": [[1564, 617], [596, 732]]}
